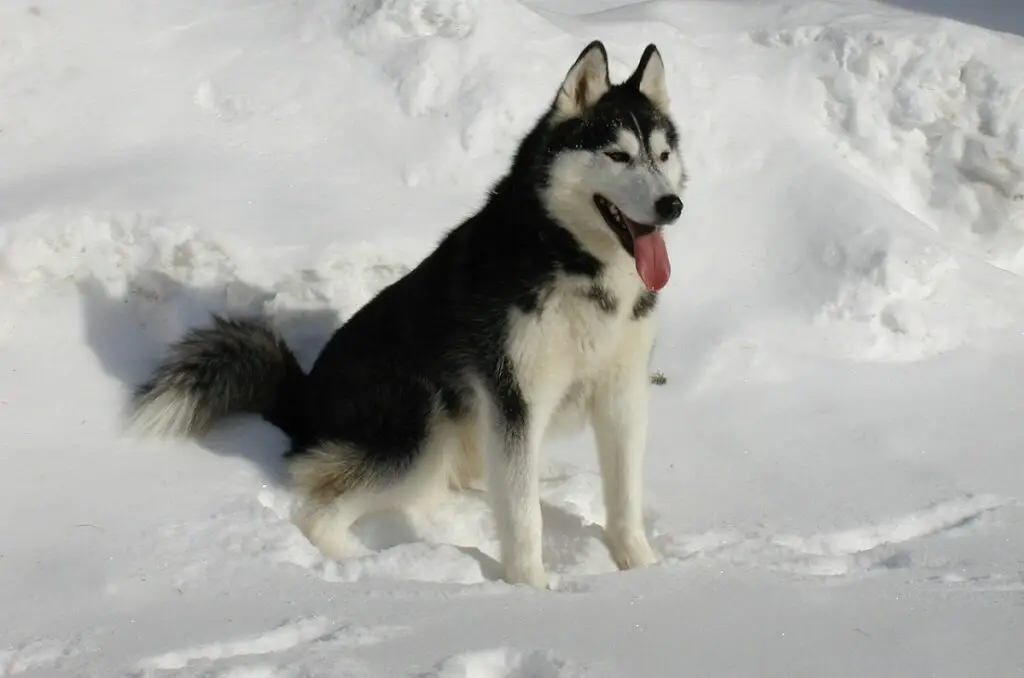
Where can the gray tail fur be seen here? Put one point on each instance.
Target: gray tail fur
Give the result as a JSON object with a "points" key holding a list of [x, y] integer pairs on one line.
{"points": [[232, 367]]}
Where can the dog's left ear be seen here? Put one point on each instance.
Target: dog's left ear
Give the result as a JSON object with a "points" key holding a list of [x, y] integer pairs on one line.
{"points": [[585, 83], [649, 78]]}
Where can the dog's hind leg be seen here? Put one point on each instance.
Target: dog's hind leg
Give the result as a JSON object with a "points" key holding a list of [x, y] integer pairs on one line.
{"points": [[465, 460], [339, 484], [335, 488]]}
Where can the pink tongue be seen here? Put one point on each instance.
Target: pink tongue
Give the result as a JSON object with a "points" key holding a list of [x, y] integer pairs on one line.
{"points": [[652, 260]]}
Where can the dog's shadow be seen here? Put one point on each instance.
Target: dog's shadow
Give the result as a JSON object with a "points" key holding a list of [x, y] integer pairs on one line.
{"points": [[130, 333]]}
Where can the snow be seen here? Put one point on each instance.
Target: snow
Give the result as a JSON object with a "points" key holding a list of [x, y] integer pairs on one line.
{"points": [[834, 477]]}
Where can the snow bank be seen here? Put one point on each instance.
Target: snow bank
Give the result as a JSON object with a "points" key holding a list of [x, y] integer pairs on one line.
{"points": [[935, 119]]}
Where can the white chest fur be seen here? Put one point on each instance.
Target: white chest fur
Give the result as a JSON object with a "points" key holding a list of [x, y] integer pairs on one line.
{"points": [[583, 331]]}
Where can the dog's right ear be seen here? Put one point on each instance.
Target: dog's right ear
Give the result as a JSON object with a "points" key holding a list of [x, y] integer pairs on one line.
{"points": [[649, 78], [585, 83]]}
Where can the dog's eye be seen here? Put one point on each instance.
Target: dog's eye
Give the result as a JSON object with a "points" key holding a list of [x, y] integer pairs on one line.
{"points": [[664, 156], [618, 156]]}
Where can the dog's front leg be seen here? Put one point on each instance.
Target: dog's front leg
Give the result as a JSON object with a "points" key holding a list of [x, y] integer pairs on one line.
{"points": [[619, 416], [513, 481]]}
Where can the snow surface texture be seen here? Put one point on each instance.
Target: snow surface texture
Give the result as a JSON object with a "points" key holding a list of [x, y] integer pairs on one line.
{"points": [[835, 470]]}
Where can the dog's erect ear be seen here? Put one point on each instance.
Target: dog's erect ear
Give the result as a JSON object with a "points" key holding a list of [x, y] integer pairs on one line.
{"points": [[586, 82], [649, 78]]}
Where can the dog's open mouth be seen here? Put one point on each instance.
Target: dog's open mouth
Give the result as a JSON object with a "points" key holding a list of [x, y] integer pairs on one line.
{"points": [[644, 243]]}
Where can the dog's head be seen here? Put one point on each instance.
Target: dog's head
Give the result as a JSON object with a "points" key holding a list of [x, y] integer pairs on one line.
{"points": [[614, 174]]}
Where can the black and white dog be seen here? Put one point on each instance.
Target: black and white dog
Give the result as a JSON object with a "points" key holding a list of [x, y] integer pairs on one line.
{"points": [[534, 314]]}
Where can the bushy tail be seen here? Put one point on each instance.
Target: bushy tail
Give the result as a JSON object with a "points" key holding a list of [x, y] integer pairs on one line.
{"points": [[232, 367]]}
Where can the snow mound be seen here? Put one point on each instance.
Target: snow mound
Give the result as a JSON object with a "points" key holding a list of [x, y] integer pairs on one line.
{"points": [[937, 119], [901, 300], [46, 248], [145, 280], [449, 59]]}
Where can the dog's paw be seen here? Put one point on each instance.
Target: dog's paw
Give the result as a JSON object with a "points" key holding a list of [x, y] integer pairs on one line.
{"points": [[329, 537], [630, 549], [530, 574]]}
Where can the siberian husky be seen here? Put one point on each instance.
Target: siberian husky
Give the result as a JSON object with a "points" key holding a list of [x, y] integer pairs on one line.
{"points": [[536, 313]]}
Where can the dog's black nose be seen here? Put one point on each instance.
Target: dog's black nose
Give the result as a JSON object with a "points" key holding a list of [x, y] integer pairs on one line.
{"points": [[669, 207]]}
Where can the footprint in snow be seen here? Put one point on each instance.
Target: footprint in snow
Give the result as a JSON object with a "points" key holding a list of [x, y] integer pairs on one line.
{"points": [[506, 663]]}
